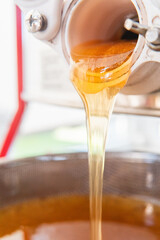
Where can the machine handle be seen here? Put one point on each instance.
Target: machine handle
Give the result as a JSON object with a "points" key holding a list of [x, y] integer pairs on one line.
{"points": [[151, 34]]}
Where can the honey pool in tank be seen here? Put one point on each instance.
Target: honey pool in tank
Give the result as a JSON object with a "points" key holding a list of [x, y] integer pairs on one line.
{"points": [[44, 199]]}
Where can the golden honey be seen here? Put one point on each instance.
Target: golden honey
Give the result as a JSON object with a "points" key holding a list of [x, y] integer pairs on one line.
{"points": [[67, 218], [99, 70]]}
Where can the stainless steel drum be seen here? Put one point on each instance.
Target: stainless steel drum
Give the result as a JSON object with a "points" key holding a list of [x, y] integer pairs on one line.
{"points": [[129, 174]]}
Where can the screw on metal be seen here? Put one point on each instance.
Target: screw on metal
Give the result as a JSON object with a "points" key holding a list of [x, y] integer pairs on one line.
{"points": [[35, 21], [151, 34]]}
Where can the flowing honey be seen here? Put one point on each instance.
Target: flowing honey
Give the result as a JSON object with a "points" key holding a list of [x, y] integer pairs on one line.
{"points": [[99, 71]]}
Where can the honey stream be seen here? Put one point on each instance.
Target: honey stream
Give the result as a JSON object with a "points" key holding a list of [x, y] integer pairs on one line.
{"points": [[99, 71]]}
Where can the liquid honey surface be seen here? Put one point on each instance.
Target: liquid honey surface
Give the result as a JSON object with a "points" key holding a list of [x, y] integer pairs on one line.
{"points": [[99, 70], [98, 65], [67, 218]]}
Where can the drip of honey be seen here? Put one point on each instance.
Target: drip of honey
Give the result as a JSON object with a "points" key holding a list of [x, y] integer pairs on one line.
{"points": [[99, 71]]}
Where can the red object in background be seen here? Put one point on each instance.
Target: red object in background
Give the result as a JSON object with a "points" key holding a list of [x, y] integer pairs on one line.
{"points": [[21, 104]]}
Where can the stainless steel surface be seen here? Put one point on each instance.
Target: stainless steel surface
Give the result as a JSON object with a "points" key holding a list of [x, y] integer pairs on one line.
{"points": [[145, 60], [153, 38], [35, 21], [151, 34], [135, 27], [144, 78], [144, 105], [129, 174]]}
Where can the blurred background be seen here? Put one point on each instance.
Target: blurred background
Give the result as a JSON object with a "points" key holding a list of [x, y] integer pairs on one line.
{"points": [[49, 124]]}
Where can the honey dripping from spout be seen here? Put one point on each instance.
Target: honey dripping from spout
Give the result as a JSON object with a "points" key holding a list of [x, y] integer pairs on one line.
{"points": [[99, 71]]}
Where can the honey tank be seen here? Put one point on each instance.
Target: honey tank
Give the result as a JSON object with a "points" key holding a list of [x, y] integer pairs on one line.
{"points": [[127, 176]]}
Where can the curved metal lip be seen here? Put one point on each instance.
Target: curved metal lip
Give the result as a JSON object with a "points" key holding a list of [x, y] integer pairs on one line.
{"points": [[138, 4], [136, 157]]}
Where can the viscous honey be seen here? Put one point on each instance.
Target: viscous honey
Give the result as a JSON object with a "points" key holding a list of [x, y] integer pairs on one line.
{"points": [[99, 70], [67, 218]]}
